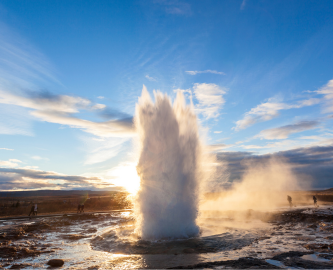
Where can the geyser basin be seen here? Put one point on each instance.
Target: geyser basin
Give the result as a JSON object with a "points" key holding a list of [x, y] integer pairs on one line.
{"points": [[169, 168], [212, 239]]}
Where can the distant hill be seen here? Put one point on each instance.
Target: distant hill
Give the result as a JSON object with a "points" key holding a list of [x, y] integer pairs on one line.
{"points": [[37, 193]]}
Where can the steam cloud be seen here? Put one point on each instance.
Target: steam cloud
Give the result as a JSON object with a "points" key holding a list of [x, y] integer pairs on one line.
{"points": [[264, 186], [169, 167]]}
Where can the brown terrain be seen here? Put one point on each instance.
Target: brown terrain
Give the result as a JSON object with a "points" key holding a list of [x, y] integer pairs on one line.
{"points": [[29, 240], [61, 202]]}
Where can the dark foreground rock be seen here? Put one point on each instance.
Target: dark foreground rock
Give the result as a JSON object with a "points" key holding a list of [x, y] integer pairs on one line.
{"points": [[242, 263], [56, 262], [290, 254], [289, 259], [18, 252], [297, 262], [73, 237]]}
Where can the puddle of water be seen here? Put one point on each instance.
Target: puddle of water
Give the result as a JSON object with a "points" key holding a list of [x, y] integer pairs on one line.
{"points": [[315, 258], [80, 255], [276, 263]]}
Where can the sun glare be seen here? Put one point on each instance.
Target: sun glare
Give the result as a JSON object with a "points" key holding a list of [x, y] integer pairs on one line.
{"points": [[125, 175]]}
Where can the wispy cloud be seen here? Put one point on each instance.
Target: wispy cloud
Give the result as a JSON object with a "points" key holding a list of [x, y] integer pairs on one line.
{"points": [[217, 147], [21, 62], [274, 146], [284, 131], [210, 98], [195, 72], [23, 178], [242, 7], [327, 91], [102, 149], [11, 163], [60, 109], [22, 67], [15, 120], [39, 158], [174, 7], [150, 78], [269, 110], [7, 149]]}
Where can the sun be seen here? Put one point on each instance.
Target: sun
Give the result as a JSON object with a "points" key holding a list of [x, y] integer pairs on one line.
{"points": [[125, 175]]}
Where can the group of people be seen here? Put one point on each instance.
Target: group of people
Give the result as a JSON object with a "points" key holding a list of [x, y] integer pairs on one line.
{"points": [[34, 209], [290, 200]]}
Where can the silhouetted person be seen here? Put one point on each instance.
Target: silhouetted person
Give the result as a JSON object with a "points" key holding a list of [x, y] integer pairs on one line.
{"points": [[290, 200], [315, 201], [35, 209], [80, 208], [32, 210]]}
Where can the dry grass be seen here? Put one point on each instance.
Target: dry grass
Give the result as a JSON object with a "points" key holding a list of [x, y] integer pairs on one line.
{"points": [[60, 204]]}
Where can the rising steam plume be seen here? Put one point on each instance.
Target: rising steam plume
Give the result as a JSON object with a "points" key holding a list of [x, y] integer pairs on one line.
{"points": [[169, 167]]}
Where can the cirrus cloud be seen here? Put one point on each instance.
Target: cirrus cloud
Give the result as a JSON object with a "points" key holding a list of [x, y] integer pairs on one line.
{"points": [[195, 72], [269, 110], [284, 131]]}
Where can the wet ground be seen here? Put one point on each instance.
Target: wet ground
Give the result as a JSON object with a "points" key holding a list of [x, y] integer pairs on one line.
{"points": [[297, 238]]}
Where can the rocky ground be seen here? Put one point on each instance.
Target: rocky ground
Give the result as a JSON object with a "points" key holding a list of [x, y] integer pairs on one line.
{"points": [[298, 238], [31, 238]]}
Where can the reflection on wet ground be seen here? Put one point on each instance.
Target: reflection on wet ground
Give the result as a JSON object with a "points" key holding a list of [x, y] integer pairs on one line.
{"points": [[107, 241]]}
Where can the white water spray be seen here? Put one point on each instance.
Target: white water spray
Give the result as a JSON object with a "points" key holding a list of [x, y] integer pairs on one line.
{"points": [[167, 202]]}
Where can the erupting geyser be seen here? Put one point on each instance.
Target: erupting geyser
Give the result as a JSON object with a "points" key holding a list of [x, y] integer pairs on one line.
{"points": [[167, 202]]}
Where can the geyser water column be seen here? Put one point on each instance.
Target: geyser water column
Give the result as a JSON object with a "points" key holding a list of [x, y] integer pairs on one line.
{"points": [[167, 202]]}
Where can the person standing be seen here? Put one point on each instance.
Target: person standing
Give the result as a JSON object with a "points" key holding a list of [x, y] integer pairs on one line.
{"points": [[290, 200], [32, 210], [315, 201], [35, 209]]}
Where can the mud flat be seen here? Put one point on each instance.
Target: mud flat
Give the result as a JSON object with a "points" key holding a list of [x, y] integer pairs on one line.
{"points": [[298, 238]]}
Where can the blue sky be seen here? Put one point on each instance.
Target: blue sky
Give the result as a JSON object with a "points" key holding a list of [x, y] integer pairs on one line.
{"points": [[259, 74]]}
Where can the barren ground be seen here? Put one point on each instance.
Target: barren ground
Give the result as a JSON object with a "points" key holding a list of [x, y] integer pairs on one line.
{"points": [[300, 237]]}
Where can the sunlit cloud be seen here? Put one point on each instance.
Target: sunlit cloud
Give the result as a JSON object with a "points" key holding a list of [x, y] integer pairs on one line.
{"points": [[210, 98], [269, 110], [7, 149], [39, 158], [150, 78], [284, 131], [217, 147], [327, 91], [11, 163], [60, 109], [24, 178], [195, 72]]}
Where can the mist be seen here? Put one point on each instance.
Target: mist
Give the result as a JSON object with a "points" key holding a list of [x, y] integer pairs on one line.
{"points": [[264, 186]]}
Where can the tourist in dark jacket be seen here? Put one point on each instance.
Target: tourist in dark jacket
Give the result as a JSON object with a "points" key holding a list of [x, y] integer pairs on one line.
{"points": [[32, 210]]}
